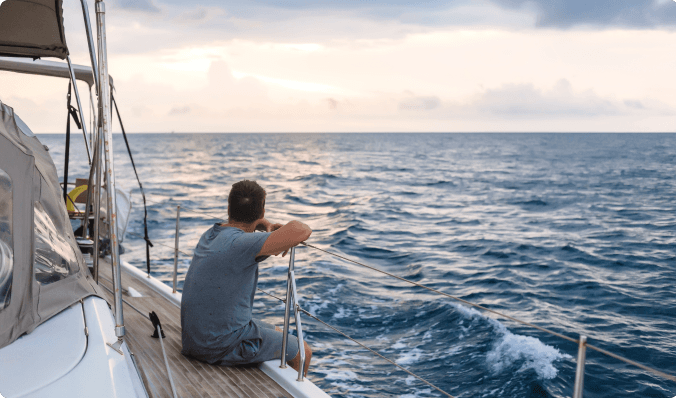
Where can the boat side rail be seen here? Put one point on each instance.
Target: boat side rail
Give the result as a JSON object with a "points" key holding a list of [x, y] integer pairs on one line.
{"points": [[292, 301]]}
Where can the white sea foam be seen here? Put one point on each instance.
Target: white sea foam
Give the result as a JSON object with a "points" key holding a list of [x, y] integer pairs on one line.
{"points": [[335, 289], [398, 345], [424, 392], [341, 375], [341, 313], [381, 337], [409, 357], [314, 308], [530, 352]]}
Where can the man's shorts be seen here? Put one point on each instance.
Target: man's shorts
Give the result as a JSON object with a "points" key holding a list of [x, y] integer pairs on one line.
{"points": [[266, 349]]}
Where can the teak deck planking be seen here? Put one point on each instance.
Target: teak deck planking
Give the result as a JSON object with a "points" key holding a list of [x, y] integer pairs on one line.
{"points": [[192, 378]]}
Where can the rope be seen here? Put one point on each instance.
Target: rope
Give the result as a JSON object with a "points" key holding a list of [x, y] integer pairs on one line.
{"points": [[360, 344], [629, 361], [149, 244]]}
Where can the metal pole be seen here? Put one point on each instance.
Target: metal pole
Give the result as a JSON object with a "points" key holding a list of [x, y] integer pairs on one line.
{"points": [[97, 208], [176, 252], [105, 106], [90, 42], [164, 354], [91, 119], [286, 324], [90, 191], [579, 376], [77, 100], [300, 336]]}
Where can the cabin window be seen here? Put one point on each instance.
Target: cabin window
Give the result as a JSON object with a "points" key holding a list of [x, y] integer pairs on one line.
{"points": [[6, 244], [54, 257]]}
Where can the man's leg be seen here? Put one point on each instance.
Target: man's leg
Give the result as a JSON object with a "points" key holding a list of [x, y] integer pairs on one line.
{"points": [[296, 361]]}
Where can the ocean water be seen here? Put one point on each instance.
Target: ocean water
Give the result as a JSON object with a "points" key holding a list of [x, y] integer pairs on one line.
{"points": [[572, 232]]}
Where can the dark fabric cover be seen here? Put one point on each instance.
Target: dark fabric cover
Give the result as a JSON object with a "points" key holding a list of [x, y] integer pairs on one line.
{"points": [[34, 178], [32, 28]]}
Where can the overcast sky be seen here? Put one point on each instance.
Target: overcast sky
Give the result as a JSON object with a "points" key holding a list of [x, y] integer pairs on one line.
{"points": [[326, 66]]}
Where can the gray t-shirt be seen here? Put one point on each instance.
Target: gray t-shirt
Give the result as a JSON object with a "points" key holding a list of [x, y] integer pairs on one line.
{"points": [[216, 304]]}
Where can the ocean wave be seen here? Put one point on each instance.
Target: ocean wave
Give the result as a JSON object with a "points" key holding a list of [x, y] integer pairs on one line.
{"points": [[510, 349]]}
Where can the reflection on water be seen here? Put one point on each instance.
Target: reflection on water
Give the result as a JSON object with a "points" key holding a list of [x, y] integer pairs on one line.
{"points": [[573, 232]]}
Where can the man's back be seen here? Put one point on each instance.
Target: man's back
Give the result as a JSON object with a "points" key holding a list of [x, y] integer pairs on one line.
{"points": [[216, 307]]}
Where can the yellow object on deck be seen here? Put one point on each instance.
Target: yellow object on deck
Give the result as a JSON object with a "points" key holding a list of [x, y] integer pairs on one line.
{"points": [[73, 195]]}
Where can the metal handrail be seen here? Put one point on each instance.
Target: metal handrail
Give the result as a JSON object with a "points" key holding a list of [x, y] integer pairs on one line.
{"points": [[176, 251], [292, 300]]}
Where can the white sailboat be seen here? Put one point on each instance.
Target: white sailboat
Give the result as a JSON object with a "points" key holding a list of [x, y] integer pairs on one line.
{"points": [[63, 330]]}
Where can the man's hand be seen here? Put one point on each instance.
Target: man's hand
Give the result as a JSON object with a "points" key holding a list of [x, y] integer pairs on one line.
{"points": [[284, 238], [266, 226], [262, 225]]}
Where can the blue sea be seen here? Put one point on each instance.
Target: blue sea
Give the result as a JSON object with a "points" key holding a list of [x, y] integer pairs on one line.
{"points": [[571, 232]]}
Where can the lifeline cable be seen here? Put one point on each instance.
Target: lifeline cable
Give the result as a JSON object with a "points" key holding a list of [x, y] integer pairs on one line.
{"points": [[68, 142], [141, 188], [188, 209], [631, 362], [360, 344], [161, 244]]}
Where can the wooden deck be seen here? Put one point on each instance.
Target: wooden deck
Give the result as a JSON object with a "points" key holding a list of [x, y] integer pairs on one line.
{"points": [[192, 378]]}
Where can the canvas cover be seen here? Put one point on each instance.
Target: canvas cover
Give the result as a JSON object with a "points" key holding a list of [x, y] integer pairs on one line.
{"points": [[32, 28], [47, 270]]}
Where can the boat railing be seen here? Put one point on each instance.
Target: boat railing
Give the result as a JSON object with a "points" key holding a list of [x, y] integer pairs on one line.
{"points": [[292, 301]]}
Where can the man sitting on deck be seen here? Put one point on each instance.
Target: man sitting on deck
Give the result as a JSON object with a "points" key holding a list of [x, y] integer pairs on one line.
{"points": [[216, 306]]}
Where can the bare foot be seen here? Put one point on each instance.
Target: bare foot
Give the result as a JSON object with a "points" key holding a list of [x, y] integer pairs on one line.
{"points": [[294, 363]]}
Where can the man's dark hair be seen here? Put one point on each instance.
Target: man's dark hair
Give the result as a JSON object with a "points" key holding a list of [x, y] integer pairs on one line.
{"points": [[246, 201]]}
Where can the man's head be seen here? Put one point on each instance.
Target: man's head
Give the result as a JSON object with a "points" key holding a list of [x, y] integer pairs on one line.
{"points": [[246, 202]]}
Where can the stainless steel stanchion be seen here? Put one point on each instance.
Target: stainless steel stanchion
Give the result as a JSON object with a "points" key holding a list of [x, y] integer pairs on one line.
{"points": [[176, 252], [288, 301], [579, 377]]}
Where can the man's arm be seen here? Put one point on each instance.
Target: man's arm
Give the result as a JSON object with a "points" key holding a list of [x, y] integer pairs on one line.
{"points": [[285, 237]]}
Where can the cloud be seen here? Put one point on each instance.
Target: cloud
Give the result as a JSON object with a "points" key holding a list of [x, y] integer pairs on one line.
{"points": [[419, 103], [180, 110], [524, 100], [549, 13], [332, 103], [606, 13], [137, 5]]}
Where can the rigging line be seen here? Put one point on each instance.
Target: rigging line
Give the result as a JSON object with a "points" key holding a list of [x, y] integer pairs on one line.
{"points": [[269, 294], [357, 342], [632, 362], [161, 244], [629, 361], [149, 244]]}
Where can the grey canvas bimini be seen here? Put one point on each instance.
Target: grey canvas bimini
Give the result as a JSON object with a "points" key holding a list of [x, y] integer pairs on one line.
{"points": [[42, 270], [32, 29]]}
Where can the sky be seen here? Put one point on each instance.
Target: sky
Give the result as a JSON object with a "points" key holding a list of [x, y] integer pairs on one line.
{"points": [[375, 66]]}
